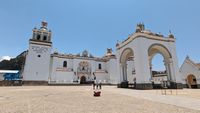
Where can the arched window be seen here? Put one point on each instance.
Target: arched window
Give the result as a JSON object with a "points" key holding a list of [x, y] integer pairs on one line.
{"points": [[99, 66], [38, 37], [65, 64], [45, 38]]}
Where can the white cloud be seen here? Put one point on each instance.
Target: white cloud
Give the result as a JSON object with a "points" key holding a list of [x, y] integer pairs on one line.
{"points": [[5, 58]]}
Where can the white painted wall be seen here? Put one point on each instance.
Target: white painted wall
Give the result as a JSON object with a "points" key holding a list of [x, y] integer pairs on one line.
{"points": [[58, 73], [101, 77], [37, 68], [188, 68], [66, 77], [113, 71]]}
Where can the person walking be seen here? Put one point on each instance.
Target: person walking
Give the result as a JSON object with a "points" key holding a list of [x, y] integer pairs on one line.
{"points": [[99, 84], [93, 85]]}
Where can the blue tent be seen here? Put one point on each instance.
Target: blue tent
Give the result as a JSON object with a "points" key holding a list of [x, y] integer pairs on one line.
{"points": [[11, 74]]}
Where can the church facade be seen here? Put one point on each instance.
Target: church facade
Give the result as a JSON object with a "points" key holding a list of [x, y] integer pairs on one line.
{"points": [[131, 64], [43, 66]]}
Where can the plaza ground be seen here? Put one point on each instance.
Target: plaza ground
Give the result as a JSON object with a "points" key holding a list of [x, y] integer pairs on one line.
{"points": [[79, 99]]}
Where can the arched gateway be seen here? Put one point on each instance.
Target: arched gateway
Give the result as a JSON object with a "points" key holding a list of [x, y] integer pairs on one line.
{"points": [[135, 56], [191, 81], [126, 56]]}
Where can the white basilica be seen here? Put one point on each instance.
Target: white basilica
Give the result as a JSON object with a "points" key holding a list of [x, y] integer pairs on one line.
{"points": [[131, 64]]}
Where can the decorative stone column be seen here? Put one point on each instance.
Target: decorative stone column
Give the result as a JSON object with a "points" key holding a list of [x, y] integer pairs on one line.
{"points": [[34, 34], [172, 71], [121, 72], [41, 36], [168, 71], [124, 71], [150, 66], [124, 82]]}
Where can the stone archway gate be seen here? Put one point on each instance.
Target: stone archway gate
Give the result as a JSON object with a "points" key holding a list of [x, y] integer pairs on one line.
{"points": [[142, 45]]}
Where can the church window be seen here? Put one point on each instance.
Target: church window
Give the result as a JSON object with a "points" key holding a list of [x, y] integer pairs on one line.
{"points": [[39, 55], [38, 37], [45, 38], [65, 64], [100, 66]]}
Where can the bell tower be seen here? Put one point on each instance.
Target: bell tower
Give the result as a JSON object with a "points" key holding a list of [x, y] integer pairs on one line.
{"points": [[38, 58], [42, 34]]}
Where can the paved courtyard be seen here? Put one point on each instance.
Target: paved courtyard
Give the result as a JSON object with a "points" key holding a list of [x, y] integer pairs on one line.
{"points": [[79, 99]]}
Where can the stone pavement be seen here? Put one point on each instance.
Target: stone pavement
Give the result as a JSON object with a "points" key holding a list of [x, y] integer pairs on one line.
{"points": [[79, 99], [186, 102]]}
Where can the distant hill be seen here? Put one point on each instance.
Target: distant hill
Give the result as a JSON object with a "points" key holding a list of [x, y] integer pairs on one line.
{"points": [[14, 63]]}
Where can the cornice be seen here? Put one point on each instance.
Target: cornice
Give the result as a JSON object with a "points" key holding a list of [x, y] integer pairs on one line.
{"points": [[144, 35], [78, 57], [32, 41]]}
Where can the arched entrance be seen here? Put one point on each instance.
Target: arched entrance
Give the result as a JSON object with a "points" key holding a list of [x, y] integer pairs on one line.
{"points": [[127, 55], [164, 74], [141, 47], [83, 80], [191, 81], [84, 72]]}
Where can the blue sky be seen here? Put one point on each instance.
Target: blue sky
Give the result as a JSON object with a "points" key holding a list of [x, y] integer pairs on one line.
{"points": [[98, 24]]}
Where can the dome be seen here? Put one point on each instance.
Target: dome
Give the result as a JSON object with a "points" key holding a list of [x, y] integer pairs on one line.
{"points": [[171, 35], [85, 53]]}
